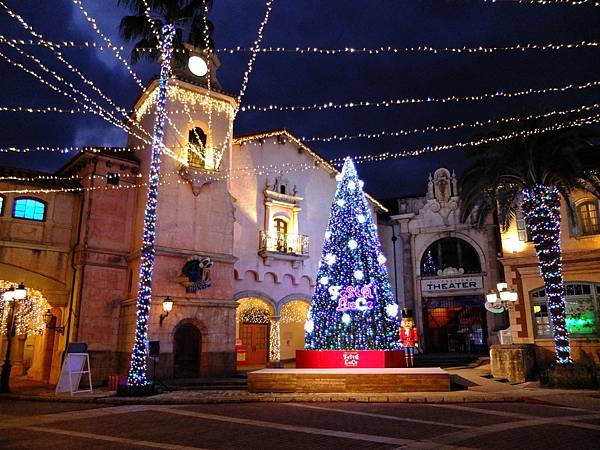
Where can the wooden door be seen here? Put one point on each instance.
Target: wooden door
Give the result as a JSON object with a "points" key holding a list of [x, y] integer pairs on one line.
{"points": [[187, 349], [255, 338]]}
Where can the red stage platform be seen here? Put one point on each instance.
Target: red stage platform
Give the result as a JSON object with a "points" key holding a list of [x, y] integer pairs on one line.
{"points": [[349, 359]]}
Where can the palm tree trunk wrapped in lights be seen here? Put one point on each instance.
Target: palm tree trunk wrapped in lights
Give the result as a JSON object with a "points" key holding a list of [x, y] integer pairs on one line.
{"points": [[541, 207], [531, 174], [137, 369]]}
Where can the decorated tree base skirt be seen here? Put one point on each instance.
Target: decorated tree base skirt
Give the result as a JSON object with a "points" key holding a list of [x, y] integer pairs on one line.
{"points": [[344, 359]]}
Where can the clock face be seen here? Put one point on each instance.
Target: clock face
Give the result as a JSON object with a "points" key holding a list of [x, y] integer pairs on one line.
{"points": [[197, 66]]}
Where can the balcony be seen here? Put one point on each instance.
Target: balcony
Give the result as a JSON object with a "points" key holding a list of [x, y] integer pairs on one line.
{"points": [[284, 246]]}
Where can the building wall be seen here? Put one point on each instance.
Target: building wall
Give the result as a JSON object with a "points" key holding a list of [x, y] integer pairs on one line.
{"points": [[581, 258], [423, 221], [278, 278], [39, 254]]}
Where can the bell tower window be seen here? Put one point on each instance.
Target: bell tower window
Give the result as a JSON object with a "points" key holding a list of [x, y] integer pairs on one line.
{"points": [[197, 150]]}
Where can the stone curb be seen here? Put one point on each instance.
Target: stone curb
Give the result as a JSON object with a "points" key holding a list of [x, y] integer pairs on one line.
{"points": [[166, 399]]}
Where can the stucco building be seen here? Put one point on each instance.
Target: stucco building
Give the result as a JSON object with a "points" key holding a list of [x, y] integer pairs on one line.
{"points": [[240, 229], [580, 244], [442, 268]]}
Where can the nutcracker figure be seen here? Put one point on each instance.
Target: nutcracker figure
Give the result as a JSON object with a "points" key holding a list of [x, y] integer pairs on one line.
{"points": [[409, 337]]}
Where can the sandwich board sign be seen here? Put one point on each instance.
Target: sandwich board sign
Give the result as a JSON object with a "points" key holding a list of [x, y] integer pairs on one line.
{"points": [[75, 369]]}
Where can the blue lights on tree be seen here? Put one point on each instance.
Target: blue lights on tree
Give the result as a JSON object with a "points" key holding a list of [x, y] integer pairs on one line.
{"points": [[353, 307], [137, 369], [541, 207]]}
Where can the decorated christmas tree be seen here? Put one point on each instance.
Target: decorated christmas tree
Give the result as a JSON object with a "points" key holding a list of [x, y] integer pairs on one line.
{"points": [[352, 306]]}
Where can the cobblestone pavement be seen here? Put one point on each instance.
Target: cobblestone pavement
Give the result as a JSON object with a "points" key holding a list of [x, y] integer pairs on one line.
{"points": [[61, 425]]}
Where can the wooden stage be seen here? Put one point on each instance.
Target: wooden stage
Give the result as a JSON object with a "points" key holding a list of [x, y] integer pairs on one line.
{"points": [[430, 379]]}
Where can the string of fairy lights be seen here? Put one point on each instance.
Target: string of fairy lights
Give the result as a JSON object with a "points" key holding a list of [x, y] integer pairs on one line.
{"points": [[331, 105], [382, 50]]}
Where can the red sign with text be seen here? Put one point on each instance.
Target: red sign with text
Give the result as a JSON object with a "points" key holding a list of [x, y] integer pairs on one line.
{"points": [[348, 359]]}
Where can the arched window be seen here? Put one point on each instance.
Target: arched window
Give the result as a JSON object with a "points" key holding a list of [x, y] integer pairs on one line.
{"points": [[582, 301], [197, 143], [450, 252], [588, 217], [1, 204], [281, 237], [30, 209]]}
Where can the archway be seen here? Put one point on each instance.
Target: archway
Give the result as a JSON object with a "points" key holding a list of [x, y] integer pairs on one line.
{"points": [[292, 319], [253, 318], [187, 349]]}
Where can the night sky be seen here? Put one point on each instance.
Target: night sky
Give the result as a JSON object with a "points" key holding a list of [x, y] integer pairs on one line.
{"points": [[307, 78]]}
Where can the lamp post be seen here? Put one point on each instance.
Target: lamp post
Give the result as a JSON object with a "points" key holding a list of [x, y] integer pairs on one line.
{"points": [[501, 299], [167, 306], [48, 318], [10, 297]]}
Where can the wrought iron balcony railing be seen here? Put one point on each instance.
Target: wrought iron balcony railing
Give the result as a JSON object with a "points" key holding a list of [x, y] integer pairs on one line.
{"points": [[284, 243]]}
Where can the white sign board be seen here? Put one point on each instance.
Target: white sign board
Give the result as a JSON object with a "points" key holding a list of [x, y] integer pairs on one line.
{"points": [[75, 366], [451, 284]]}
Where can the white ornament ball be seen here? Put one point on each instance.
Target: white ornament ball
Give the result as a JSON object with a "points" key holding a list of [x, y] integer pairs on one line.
{"points": [[361, 218], [330, 259], [352, 244], [361, 183], [324, 281], [340, 202], [309, 326], [327, 234], [392, 310], [338, 177], [346, 318], [358, 274], [351, 185], [381, 259]]}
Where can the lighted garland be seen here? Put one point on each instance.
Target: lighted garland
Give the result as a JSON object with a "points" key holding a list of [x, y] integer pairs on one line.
{"points": [[137, 369], [353, 307], [541, 208], [29, 312]]}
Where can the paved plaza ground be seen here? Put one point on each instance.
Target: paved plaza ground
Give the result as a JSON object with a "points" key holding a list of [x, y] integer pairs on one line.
{"points": [[61, 425]]}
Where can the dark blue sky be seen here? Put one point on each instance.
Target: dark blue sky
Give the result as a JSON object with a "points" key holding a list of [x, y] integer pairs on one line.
{"points": [[309, 78]]}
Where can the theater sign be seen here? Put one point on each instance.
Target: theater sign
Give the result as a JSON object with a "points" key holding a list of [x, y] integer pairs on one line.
{"points": [[451, 285]]}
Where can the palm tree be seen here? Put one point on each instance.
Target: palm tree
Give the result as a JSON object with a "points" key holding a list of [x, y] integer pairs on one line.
{"points": [[188, 16], [531, 174], [168, 16]]}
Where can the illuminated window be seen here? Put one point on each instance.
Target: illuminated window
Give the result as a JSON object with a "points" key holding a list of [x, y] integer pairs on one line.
{"points": [[281, 228], [522, 228], [197, 147], [30, 209], [582, 310], [1, 204], [588, 217], [450, 252]]}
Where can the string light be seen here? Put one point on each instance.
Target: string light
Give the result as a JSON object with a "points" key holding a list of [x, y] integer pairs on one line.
{"points": [[541, 208], [44, 110], [402, 101], [473, 143], [28, 314], [101, 112], [550, 2], [137, 369], [417, 49], [254, 51], [456, 126], [73, 69], [56, 44], [116, 50]]}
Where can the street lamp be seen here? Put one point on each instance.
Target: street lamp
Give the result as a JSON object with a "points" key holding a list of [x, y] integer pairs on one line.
{"points": [[10, 297], [501, 299], [48, 318], [167, 305]]}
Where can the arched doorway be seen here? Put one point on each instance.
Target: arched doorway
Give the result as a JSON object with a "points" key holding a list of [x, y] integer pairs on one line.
{"points": [[187, 346], [254, 327], [292, 318], [451, 281]]}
